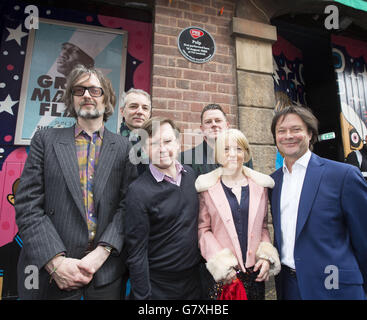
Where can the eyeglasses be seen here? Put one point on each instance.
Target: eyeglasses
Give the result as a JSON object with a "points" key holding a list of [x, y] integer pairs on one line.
{"points": [[93, 91]]}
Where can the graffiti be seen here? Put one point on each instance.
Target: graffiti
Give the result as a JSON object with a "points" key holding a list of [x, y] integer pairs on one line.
{"points": [[9, 257], [17, 19], [350, 64], [288, 71], [11, 197], [289, 85]]}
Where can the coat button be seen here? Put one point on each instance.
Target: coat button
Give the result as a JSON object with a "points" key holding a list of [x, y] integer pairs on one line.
{"points": [[51, 212]]}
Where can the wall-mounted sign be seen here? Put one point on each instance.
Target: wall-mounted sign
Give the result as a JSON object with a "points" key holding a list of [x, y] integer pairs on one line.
{"points": [[196, 44]]}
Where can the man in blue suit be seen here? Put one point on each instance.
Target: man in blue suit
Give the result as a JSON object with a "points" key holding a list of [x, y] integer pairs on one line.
{"points": [[319, 210]]}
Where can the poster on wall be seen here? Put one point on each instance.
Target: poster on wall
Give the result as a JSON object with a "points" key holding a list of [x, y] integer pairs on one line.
{"points": [[52, 51]]}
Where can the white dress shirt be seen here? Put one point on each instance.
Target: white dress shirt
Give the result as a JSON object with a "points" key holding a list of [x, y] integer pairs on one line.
{"points": [[289, 201]]}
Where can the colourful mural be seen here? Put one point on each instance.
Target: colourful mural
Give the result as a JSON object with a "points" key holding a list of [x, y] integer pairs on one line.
{"points": [[350, 63], [13, 43], [289, 85], [288, 71], [10, 251]]}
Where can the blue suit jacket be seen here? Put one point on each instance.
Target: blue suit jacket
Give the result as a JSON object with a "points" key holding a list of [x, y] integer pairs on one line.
{"points": [[331, 229]]}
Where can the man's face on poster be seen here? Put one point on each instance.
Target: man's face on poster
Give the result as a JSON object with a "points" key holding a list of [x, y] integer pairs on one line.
{"points": [[70, 56]]}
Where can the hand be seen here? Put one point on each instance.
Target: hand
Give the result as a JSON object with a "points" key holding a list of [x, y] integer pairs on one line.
{"points": [[230, 277], [264, 266], [68, 275], [91, 263]]}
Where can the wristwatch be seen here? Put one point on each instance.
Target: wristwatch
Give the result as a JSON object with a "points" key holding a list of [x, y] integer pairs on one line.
{"points": [[108, 249]]}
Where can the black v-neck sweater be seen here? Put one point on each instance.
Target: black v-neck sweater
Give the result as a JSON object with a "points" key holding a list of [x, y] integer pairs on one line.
{"points": [[162, 224]]}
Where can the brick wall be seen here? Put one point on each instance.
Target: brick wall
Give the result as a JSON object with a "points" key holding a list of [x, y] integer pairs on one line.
{"points": [[180, 89]]}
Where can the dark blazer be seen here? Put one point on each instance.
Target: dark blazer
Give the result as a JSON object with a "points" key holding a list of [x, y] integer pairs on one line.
{"points": [[331, 229], [50, 210]]}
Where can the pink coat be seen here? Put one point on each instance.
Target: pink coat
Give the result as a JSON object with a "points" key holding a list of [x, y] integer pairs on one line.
{"points": [[218, 240]]}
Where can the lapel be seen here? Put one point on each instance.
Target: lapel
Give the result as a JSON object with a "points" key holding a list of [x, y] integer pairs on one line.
{"points": [[309, 191], [66, 154], [105, 163], [220, 201], [275, 202]]}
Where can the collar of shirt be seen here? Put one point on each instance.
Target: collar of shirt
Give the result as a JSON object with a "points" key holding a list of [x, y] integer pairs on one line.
{"points": [[79, 130], [303, 161], [159, 176]]}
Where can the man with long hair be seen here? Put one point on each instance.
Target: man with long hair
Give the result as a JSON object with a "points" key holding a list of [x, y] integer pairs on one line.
{"points": [[70, 200]]}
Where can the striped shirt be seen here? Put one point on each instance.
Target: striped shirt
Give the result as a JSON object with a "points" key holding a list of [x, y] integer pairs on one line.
{"points": [[88, 149]]}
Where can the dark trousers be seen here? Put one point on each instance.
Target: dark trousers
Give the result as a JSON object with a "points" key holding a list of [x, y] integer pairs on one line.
{"points": [[288, 285], [206, 281], [112, 291], [181, 285]]}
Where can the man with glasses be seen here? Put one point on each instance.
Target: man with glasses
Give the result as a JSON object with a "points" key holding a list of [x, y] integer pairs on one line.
{"points": [[70, 200]]}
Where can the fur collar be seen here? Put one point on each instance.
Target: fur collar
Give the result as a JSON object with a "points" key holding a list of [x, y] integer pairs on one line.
{"points": [[206, 181]]}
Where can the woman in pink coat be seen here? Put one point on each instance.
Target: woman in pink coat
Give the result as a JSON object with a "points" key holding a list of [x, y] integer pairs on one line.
{"points": [[233, 234]]}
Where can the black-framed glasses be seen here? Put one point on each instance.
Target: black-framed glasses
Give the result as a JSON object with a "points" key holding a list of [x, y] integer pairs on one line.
{"points": [[93, 91]]}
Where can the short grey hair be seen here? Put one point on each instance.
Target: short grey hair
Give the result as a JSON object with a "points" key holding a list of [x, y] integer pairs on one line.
{"points": [[137, 91]]}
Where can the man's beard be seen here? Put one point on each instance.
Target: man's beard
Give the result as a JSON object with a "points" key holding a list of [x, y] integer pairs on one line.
{"points": [[89, 114], [85, 114]]}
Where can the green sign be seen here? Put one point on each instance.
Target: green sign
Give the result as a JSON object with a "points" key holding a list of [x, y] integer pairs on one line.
{"points": [[327, 136], [356, 4]]}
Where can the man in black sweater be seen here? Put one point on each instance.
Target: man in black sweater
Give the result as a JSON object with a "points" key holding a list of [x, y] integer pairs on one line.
{"points": [[162, 220]]}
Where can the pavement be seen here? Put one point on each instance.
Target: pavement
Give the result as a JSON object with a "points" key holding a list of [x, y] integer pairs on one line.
{"points": [[270, 293]]}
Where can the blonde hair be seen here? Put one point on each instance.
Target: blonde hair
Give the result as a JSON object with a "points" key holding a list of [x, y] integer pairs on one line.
{"points": [[240, 139]]}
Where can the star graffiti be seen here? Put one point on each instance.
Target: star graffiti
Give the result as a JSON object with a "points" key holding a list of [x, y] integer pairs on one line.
{"points": [[16, 34], [7, 104]]}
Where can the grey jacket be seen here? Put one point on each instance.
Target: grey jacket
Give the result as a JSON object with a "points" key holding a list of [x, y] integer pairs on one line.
{"points": [[50, 211]]}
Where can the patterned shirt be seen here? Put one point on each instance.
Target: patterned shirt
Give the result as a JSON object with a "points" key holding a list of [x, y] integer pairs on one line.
{"points": [[87, 150]]}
